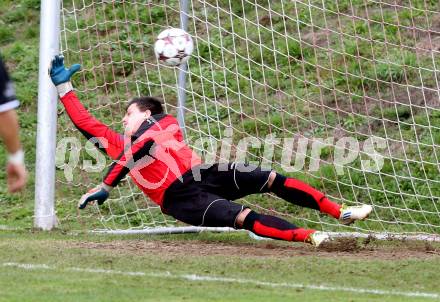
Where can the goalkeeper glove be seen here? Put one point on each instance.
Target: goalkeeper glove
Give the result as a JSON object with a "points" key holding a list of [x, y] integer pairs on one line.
{"points": [[99, 193], [61, 75]]}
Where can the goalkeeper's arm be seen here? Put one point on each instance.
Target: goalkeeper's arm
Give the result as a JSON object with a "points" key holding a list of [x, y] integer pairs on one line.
{"points": [[100, 134], [117, 171]]}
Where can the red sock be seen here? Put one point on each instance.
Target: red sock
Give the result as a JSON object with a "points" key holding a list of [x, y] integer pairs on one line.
{"points": [[274, 227], [330, 207], [300, 193]]}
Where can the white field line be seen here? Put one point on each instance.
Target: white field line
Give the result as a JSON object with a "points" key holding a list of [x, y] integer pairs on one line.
{"points": [[201, 278], [8, 228]]}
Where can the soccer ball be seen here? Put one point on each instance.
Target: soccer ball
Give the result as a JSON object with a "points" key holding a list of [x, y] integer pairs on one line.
{"points": [[173, 46]]}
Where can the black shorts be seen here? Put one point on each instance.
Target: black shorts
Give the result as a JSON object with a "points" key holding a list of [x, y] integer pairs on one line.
{"points": [[204, 196], [8, 100]]}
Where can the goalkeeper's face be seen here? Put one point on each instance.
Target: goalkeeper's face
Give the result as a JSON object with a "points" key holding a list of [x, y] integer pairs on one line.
{"points": [[134, 118]]}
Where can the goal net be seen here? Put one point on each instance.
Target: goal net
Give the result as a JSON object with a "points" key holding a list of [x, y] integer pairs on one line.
{"points": [[343, 95]]}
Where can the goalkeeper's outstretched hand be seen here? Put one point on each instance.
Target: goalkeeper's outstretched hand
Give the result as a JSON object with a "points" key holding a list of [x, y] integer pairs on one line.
{"points": [[99, 194], [59, 73]]}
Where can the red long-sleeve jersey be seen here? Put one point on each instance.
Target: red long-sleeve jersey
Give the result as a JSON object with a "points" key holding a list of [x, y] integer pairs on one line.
{"points": [[154, 157]]}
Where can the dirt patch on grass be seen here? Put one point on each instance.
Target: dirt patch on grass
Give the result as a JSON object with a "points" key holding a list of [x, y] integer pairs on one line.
{"points": [[342, 247], [346, 245]]}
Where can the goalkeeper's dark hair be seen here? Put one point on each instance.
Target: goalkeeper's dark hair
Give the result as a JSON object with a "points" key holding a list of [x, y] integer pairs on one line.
{"points": [[145, 103]]}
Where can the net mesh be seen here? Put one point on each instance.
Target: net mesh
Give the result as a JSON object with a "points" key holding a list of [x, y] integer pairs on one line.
{"points": [[307, 76]]}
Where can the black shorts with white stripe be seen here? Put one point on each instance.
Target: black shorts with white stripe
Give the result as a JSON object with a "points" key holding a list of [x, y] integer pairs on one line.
{"points": [[8, 100], [205, 195]]}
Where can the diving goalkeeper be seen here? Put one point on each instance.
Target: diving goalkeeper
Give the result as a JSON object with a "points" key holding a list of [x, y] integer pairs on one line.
{"points": [[153, 153]]}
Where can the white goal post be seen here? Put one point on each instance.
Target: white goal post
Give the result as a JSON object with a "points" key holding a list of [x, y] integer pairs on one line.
{"points": [[342, 94], [45, 216]]}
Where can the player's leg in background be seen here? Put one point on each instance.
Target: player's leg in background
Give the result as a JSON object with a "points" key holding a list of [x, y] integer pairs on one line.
{"points": [[300, 193]]}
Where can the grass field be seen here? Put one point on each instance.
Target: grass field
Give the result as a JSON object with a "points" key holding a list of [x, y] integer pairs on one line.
{"points": [[38, 266]]}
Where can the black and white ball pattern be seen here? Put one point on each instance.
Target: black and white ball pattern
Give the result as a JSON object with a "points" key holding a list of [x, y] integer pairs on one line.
{"points": [[173, 46]]}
